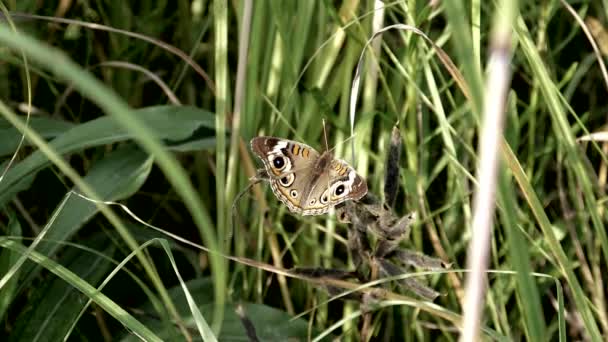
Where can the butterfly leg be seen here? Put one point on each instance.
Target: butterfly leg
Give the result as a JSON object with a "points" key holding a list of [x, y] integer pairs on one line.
{"points": [[261, 175]]}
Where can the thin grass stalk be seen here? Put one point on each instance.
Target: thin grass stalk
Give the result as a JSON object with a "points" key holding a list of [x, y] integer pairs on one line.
{"points": [[148, 73], [463, 45], [220, 15], [327, 61], [370, 86], [239, 98], [476, 31], [497, 87], [275, 69], [349, 329]]}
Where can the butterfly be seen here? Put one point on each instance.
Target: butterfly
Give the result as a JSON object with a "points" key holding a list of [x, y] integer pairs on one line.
{"points": [[307, 182]]}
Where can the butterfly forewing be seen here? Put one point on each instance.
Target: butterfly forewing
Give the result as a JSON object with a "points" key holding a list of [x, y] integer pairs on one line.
{"points": [[282, 156]]}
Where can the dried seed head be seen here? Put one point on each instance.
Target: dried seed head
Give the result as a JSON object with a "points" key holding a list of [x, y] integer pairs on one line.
{"points": [[391, 177]]}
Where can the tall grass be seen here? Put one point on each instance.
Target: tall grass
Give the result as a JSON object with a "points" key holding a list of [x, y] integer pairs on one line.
{"points": [[173, 149]]}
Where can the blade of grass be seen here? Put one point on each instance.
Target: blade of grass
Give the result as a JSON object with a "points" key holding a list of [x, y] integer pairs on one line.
{"points": [[461, 36], [534, 320], [7, 260], [220, 17]]}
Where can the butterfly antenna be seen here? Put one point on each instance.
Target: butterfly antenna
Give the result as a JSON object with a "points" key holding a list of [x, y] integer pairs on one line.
{"points": [[344, 141], [325, 135], [326, 149]]}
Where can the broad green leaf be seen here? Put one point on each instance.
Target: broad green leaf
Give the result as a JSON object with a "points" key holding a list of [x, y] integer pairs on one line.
{"points": [[172, 123], [47, 127]]}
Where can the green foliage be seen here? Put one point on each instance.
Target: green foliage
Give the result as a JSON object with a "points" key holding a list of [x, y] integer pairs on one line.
{"points": [[151, 108]]}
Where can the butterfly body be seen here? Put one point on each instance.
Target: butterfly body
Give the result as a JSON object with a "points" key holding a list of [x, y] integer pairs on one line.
{"points": [[307, 182]]}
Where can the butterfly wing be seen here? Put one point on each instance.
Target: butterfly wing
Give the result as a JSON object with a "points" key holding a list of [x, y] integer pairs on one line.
{"points": [[288, 164], [339, 183], [282, 157]]}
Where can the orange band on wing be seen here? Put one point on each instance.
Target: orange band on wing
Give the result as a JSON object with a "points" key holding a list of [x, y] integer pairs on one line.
{"points": [[305, 152], [295, 149], [340, 169]]}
